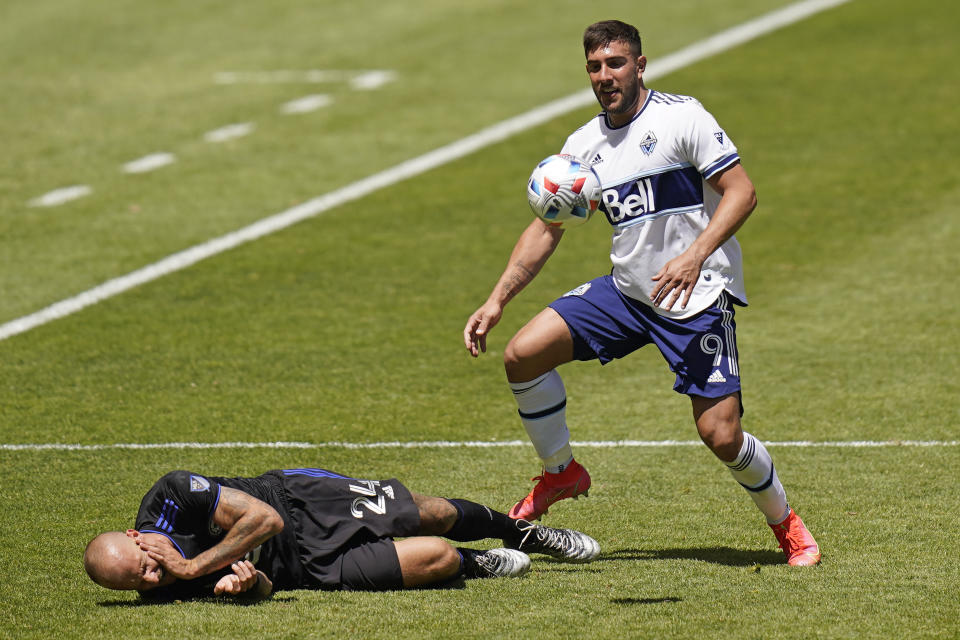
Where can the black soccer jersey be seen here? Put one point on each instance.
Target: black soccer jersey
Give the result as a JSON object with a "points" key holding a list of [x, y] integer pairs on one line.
{"points": [[325, 515], [180, 506]]}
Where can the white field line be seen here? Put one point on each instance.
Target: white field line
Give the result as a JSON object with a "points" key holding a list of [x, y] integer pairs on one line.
{"points": [[150, 162], [229, 132], [306, 104], [478, 444], [361, 79], [711, 46], [372, 80], [60, 196]]}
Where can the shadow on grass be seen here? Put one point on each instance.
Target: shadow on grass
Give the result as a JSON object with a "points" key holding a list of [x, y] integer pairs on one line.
{"points": [[237, 602], [716, 555], [646, 600], [559, 566]]}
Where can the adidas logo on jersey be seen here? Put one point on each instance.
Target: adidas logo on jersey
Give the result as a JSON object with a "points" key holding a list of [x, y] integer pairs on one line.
{"points": [[596, 160], [716, 377]]}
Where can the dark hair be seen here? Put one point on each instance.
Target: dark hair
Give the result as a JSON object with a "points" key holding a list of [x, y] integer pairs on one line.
{"points": [[600, 34]]}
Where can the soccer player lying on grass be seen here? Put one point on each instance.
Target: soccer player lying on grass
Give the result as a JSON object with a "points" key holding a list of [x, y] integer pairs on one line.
{"points": [[201, 535]]}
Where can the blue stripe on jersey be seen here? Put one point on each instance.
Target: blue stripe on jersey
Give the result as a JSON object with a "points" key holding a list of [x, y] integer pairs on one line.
{"points": [[168, 515], [658, 214], [722, 163], [657, 171], [314, 473], [676, 190], [172, 541], [669, 98]]}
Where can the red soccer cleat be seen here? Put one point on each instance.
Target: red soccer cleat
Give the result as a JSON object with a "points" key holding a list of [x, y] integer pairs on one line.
{"points": [[797, 543], [551, 487]]}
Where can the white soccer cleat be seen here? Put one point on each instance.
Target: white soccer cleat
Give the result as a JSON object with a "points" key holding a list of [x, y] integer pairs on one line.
{"points": [[501, 563], [563, 544]]}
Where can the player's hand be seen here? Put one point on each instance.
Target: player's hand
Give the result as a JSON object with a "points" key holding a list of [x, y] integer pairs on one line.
{"points": [[479, 325], [677, 278], [243, 578], [162, 550]]}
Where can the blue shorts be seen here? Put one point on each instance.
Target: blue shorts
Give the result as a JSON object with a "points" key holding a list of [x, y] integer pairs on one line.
{"points": [[701, 350]]}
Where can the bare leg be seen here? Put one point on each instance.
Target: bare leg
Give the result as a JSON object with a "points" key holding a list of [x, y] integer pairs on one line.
{"points": [[426, 560], [531, 360], [718, 422], [540, 346], [437, 515]]}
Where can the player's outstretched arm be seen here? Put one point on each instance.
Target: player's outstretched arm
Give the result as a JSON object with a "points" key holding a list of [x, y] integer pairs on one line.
{"points": [[531, 252], [678, 277], [249, 522]]}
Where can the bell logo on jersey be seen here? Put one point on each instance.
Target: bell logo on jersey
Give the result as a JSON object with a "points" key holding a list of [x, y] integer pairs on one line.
{"points": [[628, 200]]}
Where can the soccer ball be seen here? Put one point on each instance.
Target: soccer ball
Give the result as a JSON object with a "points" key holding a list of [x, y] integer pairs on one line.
{"points": [[564, 191]]}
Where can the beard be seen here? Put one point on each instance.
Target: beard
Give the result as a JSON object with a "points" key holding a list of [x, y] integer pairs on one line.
{"points": [[628, 99]]}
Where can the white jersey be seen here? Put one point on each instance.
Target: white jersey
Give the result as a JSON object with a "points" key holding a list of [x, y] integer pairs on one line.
{"points": [[655, 195]]}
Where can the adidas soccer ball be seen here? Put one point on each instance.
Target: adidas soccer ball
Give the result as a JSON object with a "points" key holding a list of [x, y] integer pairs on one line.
{"points": [[564, 191]]}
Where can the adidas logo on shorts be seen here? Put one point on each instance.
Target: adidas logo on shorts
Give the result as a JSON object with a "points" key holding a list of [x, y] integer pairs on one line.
{"points": [[716, 377]]}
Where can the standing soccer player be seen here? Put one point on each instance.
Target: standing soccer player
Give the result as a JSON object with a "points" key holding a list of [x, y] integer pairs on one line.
{"points": [[674, 192]]}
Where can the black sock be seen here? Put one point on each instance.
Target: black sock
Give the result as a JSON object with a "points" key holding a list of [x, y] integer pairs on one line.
{"points": [[468, 564], [476, 522]]}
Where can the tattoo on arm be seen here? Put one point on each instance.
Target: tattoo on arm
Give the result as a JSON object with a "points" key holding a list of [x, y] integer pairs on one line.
{"points": [[518, 279], [248, 522]]}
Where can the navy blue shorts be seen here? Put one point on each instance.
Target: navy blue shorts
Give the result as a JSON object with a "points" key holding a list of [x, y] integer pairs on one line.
{"points": [[701, 350]]}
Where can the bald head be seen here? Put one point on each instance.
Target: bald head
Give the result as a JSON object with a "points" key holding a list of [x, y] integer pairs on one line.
{"points": [[113, 560]]}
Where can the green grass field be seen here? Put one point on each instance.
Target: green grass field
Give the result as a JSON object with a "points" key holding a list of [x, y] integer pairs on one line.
{"points": [[346, 328]]}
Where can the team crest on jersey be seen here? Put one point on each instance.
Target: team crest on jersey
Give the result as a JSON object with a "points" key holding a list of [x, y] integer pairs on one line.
{"points": [[719, 136], [579, 291], [199, 483], [648, 143]]}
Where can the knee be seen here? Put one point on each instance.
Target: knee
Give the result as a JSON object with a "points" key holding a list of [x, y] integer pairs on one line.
{"points": [[521, 360], [444, 560], [426, 560], [723, 437]]}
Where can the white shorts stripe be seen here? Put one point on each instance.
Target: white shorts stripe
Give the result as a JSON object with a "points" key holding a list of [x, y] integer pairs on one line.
{"points": [[729, 334]]}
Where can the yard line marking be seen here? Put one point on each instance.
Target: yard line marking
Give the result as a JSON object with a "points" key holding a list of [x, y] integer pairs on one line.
{"points": [[60, 196], [372, 80], [484, 138], [307, 104], [228, 132], [150, 162], [467, 444]]}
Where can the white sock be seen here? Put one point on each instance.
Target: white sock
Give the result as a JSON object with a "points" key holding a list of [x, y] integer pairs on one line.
{"points": [[542, 406], [754, 470]]}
